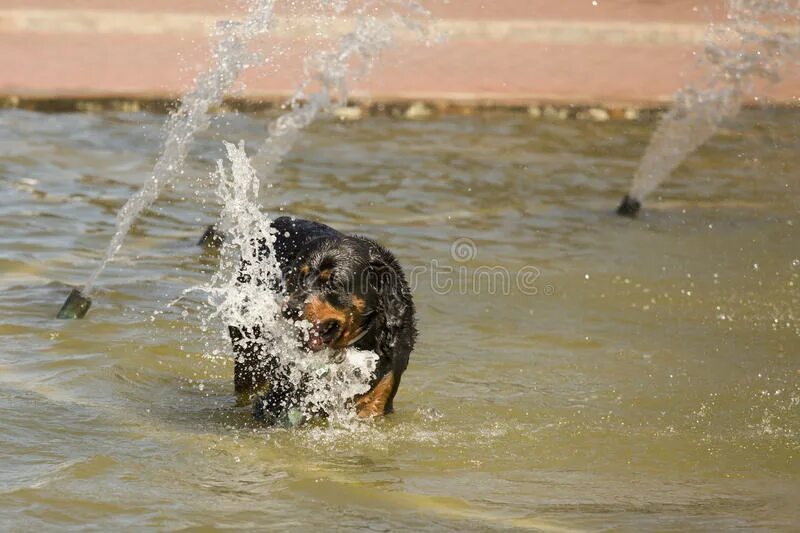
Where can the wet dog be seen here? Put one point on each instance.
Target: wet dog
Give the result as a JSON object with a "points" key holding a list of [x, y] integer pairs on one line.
{"points": [[352, 292]]}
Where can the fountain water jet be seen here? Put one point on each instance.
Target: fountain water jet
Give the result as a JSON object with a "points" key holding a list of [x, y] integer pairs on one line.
{"points": [[231, 57], [747, 47]]}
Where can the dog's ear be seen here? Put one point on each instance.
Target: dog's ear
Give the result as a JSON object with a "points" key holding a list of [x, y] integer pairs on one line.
{"points": [[394, 309]]}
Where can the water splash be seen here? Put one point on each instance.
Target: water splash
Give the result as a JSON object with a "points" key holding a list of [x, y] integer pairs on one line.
{"points": [[752, 44], [231, 56], [238, 295]]}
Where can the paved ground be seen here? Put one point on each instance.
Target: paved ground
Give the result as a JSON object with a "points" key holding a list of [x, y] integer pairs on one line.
{"points": [[608, 52]]}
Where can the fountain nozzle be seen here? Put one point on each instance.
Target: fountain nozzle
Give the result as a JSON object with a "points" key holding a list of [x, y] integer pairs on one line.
{"points": [[629, 207], [212, 238], [75, 306]]}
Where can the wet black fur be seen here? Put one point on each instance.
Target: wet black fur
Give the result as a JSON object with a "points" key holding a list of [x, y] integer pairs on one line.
{"points": [[360, 267]]}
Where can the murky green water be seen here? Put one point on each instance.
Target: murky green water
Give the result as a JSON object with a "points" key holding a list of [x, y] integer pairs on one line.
{"points": [[605, 374]]}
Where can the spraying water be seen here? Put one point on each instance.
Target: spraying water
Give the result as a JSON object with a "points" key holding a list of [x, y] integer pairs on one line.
{"points": [[353, 56], [231, 56], [751, 45], [238, 295]]}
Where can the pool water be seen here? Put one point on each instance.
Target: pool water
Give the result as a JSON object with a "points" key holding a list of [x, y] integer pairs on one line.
{"points": [[574, 371]]}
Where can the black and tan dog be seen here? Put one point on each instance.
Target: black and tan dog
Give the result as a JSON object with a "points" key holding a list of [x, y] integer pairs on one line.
{"points": [[353, 293]]}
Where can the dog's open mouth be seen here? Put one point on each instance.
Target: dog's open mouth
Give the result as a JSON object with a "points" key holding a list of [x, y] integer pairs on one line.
{"points": [[325, 334]]}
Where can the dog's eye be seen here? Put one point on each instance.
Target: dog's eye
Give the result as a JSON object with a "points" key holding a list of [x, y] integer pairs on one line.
{"points": [[325, 275], [297, 277]]}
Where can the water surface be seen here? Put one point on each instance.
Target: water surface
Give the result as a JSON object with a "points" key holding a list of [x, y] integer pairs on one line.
{"points": [[601, 373]]}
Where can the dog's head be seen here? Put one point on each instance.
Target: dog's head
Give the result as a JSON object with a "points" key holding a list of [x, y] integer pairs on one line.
{"points": [[350, 290]]}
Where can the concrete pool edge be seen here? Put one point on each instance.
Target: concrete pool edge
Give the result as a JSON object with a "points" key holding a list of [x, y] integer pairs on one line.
{"points": [[363, 106]]}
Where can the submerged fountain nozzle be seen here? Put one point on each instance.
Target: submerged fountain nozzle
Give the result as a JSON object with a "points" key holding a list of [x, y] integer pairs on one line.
{"points": [[212, 237], [75, 306], [629, 207]]}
